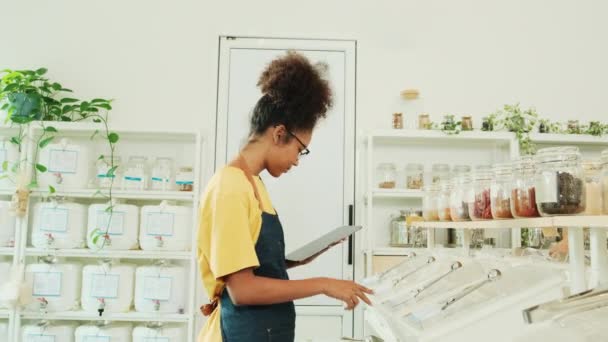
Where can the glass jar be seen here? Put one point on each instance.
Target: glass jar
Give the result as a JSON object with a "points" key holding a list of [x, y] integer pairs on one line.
{"points": [[605, 179], [500, 191], [103, 166], [523, 193], [429, 203], [414, 176], [398, 120], [443, 201], [480, 208], [466, 123], [460, 169], [487, 124], [135, 174], [184, 179], [594, 199], [417, 236], [162, 174], [387, 175], [559, 181], [440, 172], [424, 121], [461, 195], [399, 231]]}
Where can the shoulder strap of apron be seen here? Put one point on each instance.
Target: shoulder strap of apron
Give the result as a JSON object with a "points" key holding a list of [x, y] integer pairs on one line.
{"points": [[240, 163]]}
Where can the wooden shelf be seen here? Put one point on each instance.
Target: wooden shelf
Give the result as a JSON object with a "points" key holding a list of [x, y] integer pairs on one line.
{"points": [[556, 221], [118, 317], [397, 193], [396, 251], [415, 134], [7, 250], [565, 139], [186, 196], [110, 254]]}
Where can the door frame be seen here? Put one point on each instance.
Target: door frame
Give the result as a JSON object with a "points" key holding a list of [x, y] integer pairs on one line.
{"points": [[349, 48]]}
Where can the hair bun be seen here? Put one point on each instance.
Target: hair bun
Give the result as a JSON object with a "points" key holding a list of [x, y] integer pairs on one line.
{"points": [[297, 87]]}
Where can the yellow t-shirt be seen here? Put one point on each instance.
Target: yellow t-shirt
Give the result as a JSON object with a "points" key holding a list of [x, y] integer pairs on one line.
{"points": [[229, 225]]}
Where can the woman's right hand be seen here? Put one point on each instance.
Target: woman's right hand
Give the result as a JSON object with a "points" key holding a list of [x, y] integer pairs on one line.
{"points": [[347, 291]]}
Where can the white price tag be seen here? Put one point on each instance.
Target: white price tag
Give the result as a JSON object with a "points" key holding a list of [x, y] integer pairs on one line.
{"points": [[54, 220], [115, 222], [160, 224], [47, 284], [546, 187], [39, 338], [63, 161], [96, 339], [105, 285], [157, 288]]}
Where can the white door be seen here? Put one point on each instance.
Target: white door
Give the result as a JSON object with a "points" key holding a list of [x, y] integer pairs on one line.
{"points": [[314, 197]]}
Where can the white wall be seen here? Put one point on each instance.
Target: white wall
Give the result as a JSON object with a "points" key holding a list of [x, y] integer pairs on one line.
{"points": [[158, 59]]}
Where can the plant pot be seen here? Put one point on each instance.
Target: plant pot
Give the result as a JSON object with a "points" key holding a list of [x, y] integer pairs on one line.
{"points": [[26, 105]]}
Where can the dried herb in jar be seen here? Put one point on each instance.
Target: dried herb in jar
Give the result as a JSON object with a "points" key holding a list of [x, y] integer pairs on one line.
{"points": [[570, 196], [524, 202], [501, 207], [482, 209]]}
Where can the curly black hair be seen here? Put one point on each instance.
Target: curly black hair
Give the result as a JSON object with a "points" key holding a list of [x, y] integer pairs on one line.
{"points": [[295, 94]]}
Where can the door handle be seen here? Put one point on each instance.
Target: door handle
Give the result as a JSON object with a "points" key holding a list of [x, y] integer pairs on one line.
{"points": [[351, 221]]}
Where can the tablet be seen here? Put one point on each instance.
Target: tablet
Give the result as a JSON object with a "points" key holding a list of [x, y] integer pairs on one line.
{"points": [[321, 243]]}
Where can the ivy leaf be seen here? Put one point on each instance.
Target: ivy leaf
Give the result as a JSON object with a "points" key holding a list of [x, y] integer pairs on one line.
{"points": [[100, 157], [32, 185], [104, 105], [41, 168], [45, 142], [84, 106], [16, 141], [51, 189], [41, 71], [113, 138], [98, 101], [67, 109], [5, 166], [56, 86], [5, 106], [111, 172], [97, 120], [68, 100], [50, 129], [66, 118]]}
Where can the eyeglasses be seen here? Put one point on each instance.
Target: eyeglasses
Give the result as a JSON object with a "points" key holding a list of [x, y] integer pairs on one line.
{"points": [[305, 150]]}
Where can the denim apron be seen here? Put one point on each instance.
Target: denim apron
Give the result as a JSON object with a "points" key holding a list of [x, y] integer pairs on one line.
{"points": [[261, 323]]}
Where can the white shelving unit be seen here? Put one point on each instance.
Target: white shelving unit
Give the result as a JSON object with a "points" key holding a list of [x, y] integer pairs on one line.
{"points": [[422, 145], [598, 225], [186, 148]]}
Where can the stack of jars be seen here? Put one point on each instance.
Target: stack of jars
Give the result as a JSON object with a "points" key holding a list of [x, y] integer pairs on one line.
{"points": [[554, 182]]}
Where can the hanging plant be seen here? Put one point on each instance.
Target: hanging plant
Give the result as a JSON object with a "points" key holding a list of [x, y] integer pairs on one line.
{"points": [[596, 128], [521, 122]]}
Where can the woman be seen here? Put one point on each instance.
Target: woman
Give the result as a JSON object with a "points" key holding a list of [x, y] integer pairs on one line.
{"points": [[241, 248]]}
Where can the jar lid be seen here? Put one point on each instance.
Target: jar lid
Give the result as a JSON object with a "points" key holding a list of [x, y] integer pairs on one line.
{"points": [[558, 154], [483, 172], [386, 165], [604, 157], [461, 168], [414, 166], [502, 168], [524, 163], [441, 167]]}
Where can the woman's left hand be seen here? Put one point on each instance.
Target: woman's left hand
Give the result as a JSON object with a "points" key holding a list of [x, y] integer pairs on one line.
{"points": [[313, 257]]}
